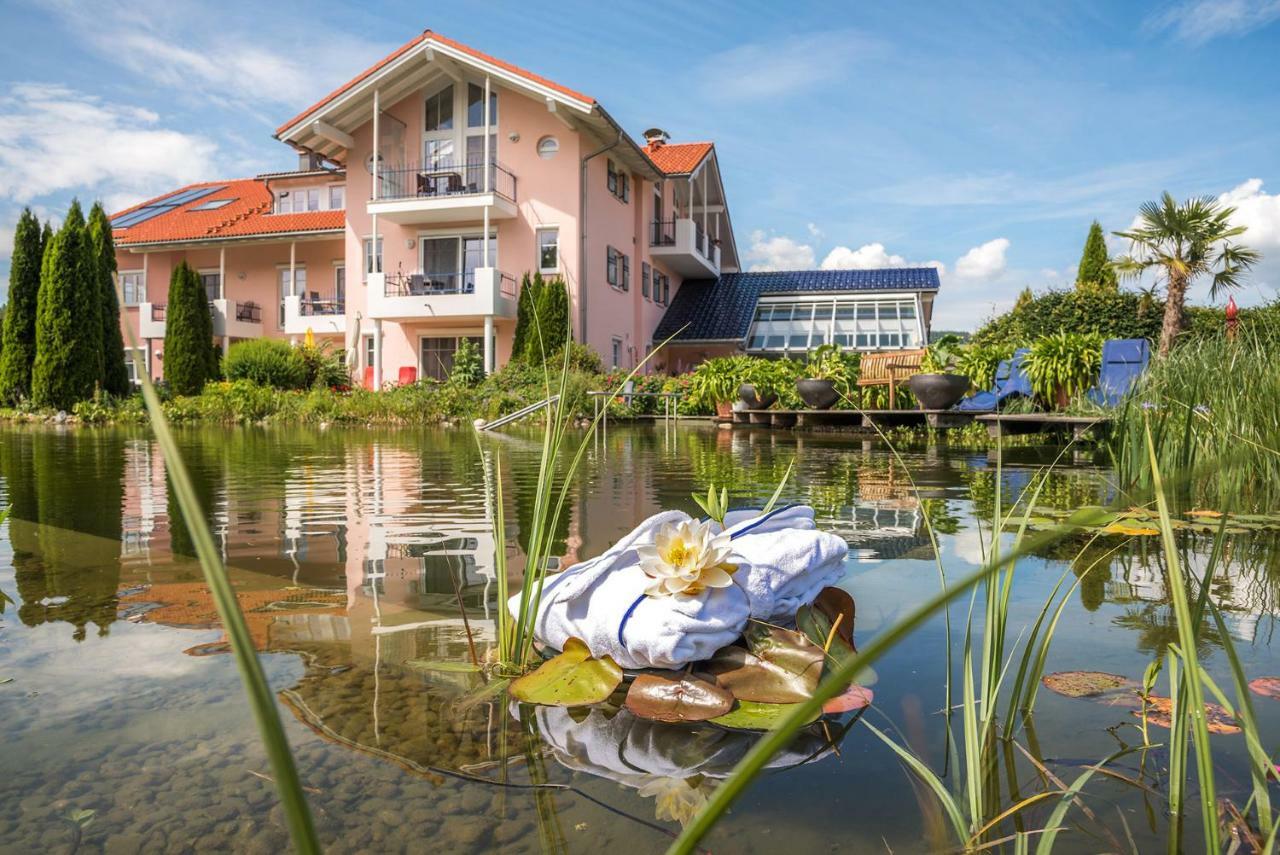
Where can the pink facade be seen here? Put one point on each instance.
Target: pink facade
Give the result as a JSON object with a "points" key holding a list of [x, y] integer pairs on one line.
{"points": [[563, 176]]}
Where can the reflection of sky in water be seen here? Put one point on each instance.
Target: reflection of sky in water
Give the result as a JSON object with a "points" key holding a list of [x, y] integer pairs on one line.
{"points": [[351, 552]]}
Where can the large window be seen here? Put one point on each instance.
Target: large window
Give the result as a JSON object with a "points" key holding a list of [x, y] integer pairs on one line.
{"points": [[437, 355], [133, 284], [212, 281], [297, 287], [849, 322], [372, 261], [475, 106], [337, 197], [449, 264]]}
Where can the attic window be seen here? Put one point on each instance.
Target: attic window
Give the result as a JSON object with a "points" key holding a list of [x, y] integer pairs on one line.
{"points": [[548, 147], [211, 205]]}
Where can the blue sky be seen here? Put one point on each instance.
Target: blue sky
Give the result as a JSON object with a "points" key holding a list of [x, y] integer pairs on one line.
{"points": [[983, 137]]}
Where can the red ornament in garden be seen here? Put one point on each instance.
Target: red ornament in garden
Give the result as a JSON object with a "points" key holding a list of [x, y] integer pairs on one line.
{"points": [[1233, 317]]}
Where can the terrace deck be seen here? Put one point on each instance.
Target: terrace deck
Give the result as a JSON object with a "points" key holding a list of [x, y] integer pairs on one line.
{"points": [[997, 423]]}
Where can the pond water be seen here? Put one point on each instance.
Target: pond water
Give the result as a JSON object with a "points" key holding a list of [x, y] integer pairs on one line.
{"points": [[363, 557]]}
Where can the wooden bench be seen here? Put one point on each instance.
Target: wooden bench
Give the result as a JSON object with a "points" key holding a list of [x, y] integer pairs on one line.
{"points": [[889, 369]]}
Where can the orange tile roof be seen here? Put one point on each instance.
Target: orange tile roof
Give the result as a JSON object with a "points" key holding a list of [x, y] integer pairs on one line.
{"points": [[248, 215], [443, 40], [677, 158]]}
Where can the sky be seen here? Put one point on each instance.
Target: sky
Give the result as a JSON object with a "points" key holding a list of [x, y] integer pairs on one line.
{"points": [[982, 138]]}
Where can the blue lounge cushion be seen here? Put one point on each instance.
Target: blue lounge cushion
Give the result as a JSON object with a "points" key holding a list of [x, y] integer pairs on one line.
{"points": [[1123, 361], [1011, 381]]}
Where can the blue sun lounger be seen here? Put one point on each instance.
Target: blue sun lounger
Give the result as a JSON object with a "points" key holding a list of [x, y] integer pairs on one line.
{"points": [[1123, 361], [1011, 382]]}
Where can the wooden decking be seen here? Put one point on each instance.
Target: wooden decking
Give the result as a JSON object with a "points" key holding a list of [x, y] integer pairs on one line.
{"points": [[997, 423]]}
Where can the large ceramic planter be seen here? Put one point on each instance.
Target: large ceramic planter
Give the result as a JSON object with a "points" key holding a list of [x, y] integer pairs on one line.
{"points": [[938, 391], [747, 395], [817, 394], [724, 409]]}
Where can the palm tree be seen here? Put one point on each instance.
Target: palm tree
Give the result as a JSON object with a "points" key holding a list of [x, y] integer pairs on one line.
{"points": [[1182, 242]]}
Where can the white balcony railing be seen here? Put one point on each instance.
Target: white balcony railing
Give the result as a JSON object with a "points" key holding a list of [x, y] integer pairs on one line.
{"points": [[231, 318], [684, 246], [322, 317], [477, 293]]}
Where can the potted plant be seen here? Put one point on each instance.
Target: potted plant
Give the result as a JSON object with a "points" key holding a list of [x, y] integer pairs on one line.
{"points": [[714, 383], [758, 389], [1063, 365], [938, 386], [826, 377]]}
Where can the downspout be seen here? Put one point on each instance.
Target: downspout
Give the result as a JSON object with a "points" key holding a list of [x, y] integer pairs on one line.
{"points": [[582, 237]]}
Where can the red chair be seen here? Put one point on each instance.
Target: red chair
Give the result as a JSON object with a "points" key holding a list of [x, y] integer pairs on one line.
{"points": [[368, 377], [408, 375]]}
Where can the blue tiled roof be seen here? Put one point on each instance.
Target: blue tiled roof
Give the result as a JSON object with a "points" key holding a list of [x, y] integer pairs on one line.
{"points": [[722, 309]]}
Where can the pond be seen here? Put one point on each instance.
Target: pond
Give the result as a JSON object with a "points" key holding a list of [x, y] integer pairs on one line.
{"points": [[364, 559]]}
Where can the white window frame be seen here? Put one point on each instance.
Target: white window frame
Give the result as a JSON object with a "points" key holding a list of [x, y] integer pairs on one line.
{"points": [[141, 273], [865, 334], [460, 255], [617, 352], [367, 260], [129, 366], [211, 271], [539, 232], [340, 188], [282, 271]]}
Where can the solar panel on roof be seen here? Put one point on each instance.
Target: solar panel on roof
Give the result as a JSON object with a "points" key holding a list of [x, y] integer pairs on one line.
{"points": [[163, 205]]}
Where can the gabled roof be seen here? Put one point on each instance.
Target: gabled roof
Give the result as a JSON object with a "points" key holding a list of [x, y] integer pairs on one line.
{"points": [[677, 158], [427, 37], [247, 215], [722, 309]]}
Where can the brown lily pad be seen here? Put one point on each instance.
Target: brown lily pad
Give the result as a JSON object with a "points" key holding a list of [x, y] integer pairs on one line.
{"points": [[1160, 713], [675, 696], [836, 604], [853, 698], [1268, 687], [1087, 684], [1207, 514], [782, 666]]}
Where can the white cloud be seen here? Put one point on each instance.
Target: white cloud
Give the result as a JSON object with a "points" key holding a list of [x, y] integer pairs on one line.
{"points": [[1256, 210], [174, 46], [815, 232], [56, 139], [1200, 21], [783, 66], [871, 256], [1049, 273], [983, 262], [778, 253]]}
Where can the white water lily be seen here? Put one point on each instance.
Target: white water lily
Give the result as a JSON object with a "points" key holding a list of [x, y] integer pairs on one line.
{"points": [[686, 558], [676, 799]]}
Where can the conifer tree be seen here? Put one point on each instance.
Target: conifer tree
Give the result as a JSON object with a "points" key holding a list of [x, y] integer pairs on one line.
{"points": [[68, 329], [1095, 269], [526, 308], [19, 331], [115, 377], [188, 334], [554, 315]]}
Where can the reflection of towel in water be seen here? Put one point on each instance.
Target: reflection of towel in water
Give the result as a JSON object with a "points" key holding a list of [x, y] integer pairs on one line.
{"points": [[785, 562], [631, 750], [602, 602]]}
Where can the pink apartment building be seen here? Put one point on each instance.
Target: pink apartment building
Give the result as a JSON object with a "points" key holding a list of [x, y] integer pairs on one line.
{"points": [[432, 182]]}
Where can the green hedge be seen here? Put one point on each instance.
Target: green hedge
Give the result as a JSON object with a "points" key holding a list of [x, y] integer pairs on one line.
{"points": [[1111, 314], [266, 362]]}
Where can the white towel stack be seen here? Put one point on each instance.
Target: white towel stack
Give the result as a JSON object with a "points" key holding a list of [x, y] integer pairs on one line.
{"points": [[783, 563]]}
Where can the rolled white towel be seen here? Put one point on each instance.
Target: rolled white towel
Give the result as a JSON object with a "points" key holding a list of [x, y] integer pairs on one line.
{"points": [[602, 601], [784, 560]]}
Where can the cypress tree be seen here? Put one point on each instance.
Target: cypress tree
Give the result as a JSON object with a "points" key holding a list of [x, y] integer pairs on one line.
{"points": [[554, 315], [526, 308], [68, 329], [19, 331], [1095, 269], [115, 377], [188, 334]]}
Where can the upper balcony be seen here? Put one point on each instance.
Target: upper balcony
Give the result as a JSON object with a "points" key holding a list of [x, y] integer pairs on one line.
{"points": [[231, 318], [444, 192], [682, 245], [472, 294], [321, 317]]}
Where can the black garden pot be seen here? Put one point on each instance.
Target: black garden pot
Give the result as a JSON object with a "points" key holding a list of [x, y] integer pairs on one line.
{"points": [[938, 391], [747, 395], [817, 394]]}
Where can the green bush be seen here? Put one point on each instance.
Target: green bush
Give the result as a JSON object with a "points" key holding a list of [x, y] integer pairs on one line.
{"points": [[19, 328], [979, 362], [1063, 365], [1110, 314], [68, 358], [581, 358], [468, 365], [266, 362], [324, 367], [189, 360]]}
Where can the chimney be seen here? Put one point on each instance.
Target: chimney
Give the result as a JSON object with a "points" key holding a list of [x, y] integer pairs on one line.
{"points": [[656, 138]]}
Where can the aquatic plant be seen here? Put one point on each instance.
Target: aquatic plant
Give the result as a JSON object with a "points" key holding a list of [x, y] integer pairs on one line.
{"points": [[1063, 365]]}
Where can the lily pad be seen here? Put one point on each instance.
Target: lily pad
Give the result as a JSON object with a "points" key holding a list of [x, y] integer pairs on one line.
{"points": [[782, 666], [749, 715], [571, 679], [1207, 514], [1087, 684], [853, 698], [1268, 687], [675, 696], [837, 603], [1130, 530], [1160, 713]]}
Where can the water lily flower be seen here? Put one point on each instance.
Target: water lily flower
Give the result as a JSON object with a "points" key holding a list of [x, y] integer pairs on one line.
{"points": [[677, 799], [685, 559]]}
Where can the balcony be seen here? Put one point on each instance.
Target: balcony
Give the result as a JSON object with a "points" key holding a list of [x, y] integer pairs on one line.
{"points": [[682, 245], [322, 317], [230, 318], [409, 296], [443, 193]]}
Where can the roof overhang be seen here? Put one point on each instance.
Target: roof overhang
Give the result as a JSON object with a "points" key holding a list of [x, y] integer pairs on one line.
{"points": [[197, 243]]}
